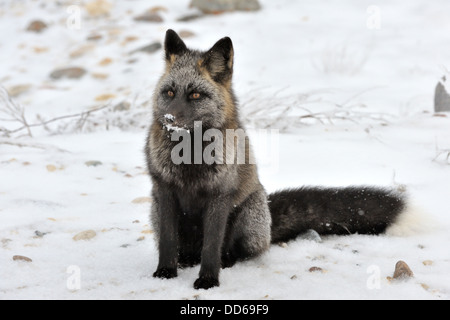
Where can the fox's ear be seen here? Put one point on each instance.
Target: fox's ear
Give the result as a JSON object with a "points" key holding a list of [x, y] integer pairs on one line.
{"points": [[218, 60], [173, 45]]}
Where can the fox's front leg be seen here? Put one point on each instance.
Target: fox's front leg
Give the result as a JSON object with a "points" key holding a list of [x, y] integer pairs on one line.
{"points": [[167, 211], [214, 228]]}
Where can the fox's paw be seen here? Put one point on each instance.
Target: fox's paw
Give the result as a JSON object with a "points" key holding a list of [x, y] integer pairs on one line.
{"points": [[206, 283], [165, 273]]}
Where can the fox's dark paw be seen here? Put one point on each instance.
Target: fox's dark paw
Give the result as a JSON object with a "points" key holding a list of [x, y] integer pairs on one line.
{"points": [[206, 283], [165, 273]]}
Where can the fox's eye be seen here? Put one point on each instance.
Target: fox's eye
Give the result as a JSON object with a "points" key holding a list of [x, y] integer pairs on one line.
{"points": [[170, 93], [195, 96]]}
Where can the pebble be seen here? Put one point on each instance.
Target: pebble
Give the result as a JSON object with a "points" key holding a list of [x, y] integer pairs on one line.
{"points": [[51, 168], [70, 72], [21, 258], [151, 48], [37, 26], [402, 271], [98, 8], [84, 235], [93, 163], [149, 17], [427, 263], [17, 90], [219, 6]]}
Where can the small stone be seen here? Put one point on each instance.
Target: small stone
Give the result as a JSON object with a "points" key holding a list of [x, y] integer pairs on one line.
{"points": [[98, 8], [51, 168], [93, 163], [151, 48], [402, 271], [186, 34], [17, 90], [149, 17], [21, 258], [105, 62], [71, 73], [94, 37], [219, 6], [85, 235], [283, 244], [39, 234], [98, 75], [315, 269], [294, 277], [37, 26], [427, 263], [190, 17], [142, 200]]}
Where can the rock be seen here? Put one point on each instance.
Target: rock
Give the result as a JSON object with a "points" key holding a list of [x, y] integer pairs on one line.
{"points": [[151, 48], [21, 258], [39, 234], [442, 97], [402, 271], [37, 26], [427, 263], [149, 17], [219, 6], [105, 97], [311, 235], [71, 73], [94, 37], [142, 200], [84, 235], [93, 163], [98, 8], [186, 34], [316, 269], [51, 168], [105, 62], [17, 90], [190, 17]]}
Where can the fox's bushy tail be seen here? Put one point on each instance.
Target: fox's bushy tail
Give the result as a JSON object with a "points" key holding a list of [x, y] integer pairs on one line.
{"points": [[362, 210]]}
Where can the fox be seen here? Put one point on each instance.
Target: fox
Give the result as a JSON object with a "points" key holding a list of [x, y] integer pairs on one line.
{"points": [[216, 214]]}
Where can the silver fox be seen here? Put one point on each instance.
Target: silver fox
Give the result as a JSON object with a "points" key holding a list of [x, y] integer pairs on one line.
{"points": [[217, 214]]}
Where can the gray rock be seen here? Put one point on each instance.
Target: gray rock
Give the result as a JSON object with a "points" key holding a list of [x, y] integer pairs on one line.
{"points": [[219, 6], [441, 97], [93, 163], [71, 73], [151, 48], [149, 17]]}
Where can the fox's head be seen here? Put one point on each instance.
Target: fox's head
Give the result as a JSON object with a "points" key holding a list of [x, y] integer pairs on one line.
{"points": [[196, 85]]}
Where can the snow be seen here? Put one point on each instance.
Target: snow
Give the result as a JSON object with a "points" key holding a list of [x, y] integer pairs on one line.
{"points": [[371, 90]]}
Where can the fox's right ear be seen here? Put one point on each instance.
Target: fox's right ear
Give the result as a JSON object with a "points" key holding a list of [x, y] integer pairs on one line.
{"points": [[173, 45]]}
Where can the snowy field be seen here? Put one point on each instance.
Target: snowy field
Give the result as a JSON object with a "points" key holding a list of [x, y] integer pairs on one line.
{"points": [[349, 84]]}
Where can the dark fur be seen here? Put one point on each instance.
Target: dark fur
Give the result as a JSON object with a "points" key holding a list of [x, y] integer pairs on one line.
{"points": [[217, 214]]}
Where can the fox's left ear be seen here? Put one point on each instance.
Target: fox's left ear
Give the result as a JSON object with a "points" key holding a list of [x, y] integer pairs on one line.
{"points": [[218, 60]]}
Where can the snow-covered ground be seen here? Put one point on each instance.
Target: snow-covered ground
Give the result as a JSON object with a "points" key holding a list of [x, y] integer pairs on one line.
{"points": [[366, 71]]}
